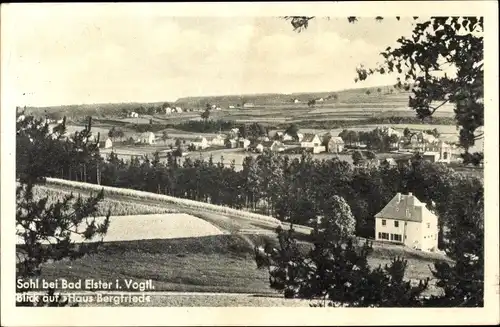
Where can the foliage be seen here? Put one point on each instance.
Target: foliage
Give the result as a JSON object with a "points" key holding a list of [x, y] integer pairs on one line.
{"points": [[443, 62], [39, 153], [335, 272], [357, 157]]}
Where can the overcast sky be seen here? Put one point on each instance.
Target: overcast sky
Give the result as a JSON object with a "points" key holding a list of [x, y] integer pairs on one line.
{"points": [[67, 56]]}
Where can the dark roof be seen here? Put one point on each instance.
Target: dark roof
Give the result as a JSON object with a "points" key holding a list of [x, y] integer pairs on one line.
{"points": [[403, 207], [308, 137]]}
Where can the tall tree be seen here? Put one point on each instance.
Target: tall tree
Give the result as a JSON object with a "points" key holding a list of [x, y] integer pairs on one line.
{"points": [[442, 62], [46, 230]]}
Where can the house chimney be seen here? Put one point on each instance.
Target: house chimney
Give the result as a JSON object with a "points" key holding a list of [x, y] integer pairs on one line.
{"points": [[410, 194], [399, 196]]}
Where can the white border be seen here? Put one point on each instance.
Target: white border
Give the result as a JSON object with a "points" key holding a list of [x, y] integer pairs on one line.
{"points": [[12, 316]]}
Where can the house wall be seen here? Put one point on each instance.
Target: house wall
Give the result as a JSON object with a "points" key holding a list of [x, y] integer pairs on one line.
{"points": [[319, 149], [430, 230], [389, 229]]}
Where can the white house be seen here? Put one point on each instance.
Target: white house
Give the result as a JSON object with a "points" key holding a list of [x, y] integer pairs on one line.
{"points": [[320, 100], [244, 143], [168, 110], [200, 143], [134, 114], [231, 107], [106, 144], [218, 140], [178, 109], [259, 148], [300, 137], [286, 137], [146, 138], [296, 101], [406, 220], [312, 141], [235, 132]]}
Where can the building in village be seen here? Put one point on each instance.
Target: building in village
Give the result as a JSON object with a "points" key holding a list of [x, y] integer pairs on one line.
{"points": [[231, 143], [218, 140], [200, 143], [407, 221], [243, 143], [106, 144], [248, 105], [312, 142], [168, 110], [146, 138], [274, 146], [234, 132], [133, 114], [333, 144]]}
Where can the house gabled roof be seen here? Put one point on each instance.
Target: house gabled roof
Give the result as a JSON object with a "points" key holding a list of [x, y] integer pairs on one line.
{"points": [[199, 139], [335, 139], [308, 137], [403, 207], [146, 134]]}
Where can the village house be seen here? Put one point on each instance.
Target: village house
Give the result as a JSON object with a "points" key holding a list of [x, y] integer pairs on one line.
{"points": [[287, 137], [248, 105], [300, 137], [320, 100], [406, 220], [389, 131], [296, 101], [231, 107], [334, 144], [231, 143], [146, 138], [312, 142], [447, 152], [274, 146], [178, 109], [168, 111], [218, 140], [244, 143], [431, 156], [106, 144], [200, 143], [133, 114], [234, 132]]}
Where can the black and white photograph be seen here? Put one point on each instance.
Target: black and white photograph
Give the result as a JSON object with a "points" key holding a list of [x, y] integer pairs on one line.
{"points": [[314, 159]]}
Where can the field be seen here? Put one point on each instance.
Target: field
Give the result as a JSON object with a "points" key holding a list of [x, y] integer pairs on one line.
{"points": [[118, 208], [166, 250]]}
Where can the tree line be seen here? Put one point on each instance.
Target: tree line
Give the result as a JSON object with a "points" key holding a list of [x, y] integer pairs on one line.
{"points": [[289, 189]]}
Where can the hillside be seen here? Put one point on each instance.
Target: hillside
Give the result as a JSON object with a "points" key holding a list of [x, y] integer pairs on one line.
{"points": [[272, 99], [349, 96]]}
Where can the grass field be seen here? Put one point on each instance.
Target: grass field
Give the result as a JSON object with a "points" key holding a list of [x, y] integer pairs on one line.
{"points": [[118, 208]]}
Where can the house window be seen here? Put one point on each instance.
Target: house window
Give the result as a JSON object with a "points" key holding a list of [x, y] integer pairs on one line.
{"points": [[383, 222], [384, 236], [379, 235], [396, 223], [396, 237], [428, 225]]}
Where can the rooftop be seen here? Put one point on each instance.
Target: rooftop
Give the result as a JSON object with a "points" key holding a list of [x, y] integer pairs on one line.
{"points": [[403, 207]]}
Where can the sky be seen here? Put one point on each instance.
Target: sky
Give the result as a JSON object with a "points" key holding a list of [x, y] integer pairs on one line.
{"points": [[60, 55]]}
